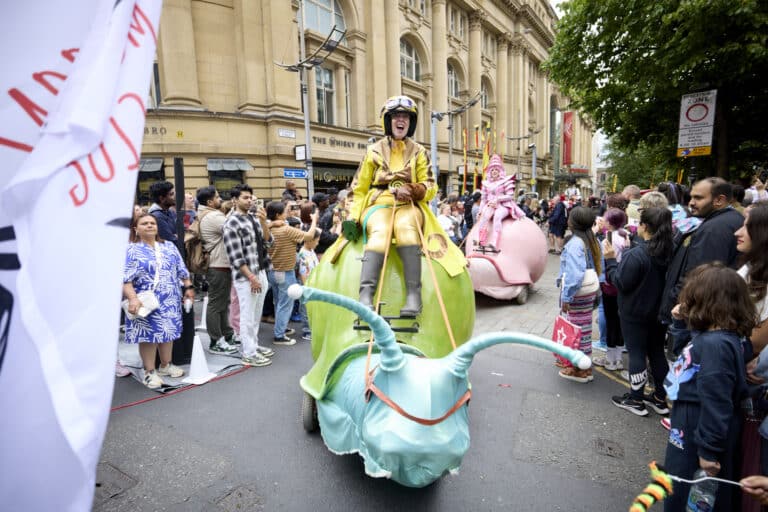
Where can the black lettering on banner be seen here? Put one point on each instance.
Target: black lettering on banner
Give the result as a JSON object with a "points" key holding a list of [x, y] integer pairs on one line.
{"points": [[8, 261]]}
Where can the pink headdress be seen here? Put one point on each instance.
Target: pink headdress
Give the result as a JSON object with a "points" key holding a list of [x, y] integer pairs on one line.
{"points": [[496, 163]]}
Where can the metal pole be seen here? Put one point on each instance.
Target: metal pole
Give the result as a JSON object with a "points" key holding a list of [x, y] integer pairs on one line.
{"points": [[178, 184], [435, 165], [533, 170], [450, 154], [305, 105]]}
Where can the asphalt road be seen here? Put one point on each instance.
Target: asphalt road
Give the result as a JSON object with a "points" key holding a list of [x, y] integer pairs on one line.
{"points": [[539, 443]]}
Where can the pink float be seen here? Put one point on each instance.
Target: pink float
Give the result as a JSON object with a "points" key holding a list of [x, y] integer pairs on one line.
{"points": [[504, 263]]}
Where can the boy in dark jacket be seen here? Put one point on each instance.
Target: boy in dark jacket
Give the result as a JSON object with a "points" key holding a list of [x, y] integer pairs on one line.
{"points": [[708, 382]]}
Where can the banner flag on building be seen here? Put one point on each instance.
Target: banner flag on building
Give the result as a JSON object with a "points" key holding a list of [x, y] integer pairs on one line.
{"points": [[72, 100], [568, 138]]}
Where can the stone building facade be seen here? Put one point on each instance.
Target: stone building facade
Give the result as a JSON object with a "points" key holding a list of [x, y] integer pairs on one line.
{"points": [[221, 100]]}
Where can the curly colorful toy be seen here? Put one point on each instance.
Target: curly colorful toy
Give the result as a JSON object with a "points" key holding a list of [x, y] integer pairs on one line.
{"points": [[657, 490]]}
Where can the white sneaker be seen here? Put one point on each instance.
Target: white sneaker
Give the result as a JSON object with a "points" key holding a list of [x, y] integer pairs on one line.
{"points": [[266, 352], [152, 380], [614, 365], [256, 360], [170, 371]]}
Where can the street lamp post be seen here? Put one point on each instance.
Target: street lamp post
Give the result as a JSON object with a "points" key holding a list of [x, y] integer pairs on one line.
{"points": [[302, 67], [532, 147], [529, 135], [434, 118]]}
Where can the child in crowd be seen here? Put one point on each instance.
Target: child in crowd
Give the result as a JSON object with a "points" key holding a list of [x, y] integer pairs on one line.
{"points": [[307, 261], [708, 382]]}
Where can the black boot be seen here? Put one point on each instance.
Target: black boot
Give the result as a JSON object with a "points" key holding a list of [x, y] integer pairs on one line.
{"points": [[411, 258], [369, 276]]}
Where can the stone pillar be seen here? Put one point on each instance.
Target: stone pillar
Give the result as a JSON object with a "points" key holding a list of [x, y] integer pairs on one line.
{"points": [[376, 90], [440, 69], [475, 64], [502, 93], [341, 96], [517, 85], [176, 50], [358, 80], [392, 22], [279, 16]]}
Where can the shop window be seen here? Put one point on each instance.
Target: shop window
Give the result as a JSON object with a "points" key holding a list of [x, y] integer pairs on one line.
{"points": [[150, 171], [225, 173]]}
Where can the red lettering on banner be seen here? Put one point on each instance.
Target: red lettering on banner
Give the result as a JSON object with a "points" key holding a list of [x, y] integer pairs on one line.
{"points": [[79, 192], [42, 80], [29, 106], [79, 201], [111, 166], [15, 145], [70, 54], [136, 26]]}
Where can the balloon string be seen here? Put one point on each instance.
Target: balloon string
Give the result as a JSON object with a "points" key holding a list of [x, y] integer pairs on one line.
{"points": [[704, 478]]}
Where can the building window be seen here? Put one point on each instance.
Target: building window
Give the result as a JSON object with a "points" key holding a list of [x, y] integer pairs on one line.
{"points": [[325, 90], [453, 83], [155, 98], [322, 15], [484, 95], [489, 45], [410, 66]]}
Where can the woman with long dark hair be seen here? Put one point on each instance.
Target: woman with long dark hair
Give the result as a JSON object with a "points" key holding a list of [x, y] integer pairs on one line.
{"points": [[639, 278], [581, 253]]}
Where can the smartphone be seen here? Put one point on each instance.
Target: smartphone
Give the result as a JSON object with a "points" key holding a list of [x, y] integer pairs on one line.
{"points": [[259, 203], [610, 237]]}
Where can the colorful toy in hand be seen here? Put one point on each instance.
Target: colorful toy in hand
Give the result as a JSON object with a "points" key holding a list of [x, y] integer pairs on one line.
{"points": [[657, 490]]}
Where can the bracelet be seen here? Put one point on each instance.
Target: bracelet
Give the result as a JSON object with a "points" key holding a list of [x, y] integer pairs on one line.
{"points": [[252, 277]]}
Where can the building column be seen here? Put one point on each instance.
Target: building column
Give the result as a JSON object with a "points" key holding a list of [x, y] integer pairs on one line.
{"points": [[517, 86], [341, 96], [376, 49], [475, 64], [392, 22], [358, 81], [176, 49], [439, 68], [502, 93], [280, 17]]}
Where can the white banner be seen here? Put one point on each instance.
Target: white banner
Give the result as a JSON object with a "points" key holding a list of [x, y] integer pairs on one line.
{"points": [[72, 100]]}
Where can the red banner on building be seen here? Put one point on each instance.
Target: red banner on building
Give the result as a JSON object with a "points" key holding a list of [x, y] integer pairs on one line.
{"points": [[567, 138]]}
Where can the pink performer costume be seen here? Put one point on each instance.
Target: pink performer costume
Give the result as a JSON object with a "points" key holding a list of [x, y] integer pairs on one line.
{"points": [[498, 201]]}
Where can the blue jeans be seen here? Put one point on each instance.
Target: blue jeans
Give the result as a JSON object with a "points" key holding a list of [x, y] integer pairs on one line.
{"points": [[283, 303], [601, 325]]}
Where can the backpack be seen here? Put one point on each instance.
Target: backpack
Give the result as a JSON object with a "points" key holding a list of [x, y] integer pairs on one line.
{"points": [[196, 259]]}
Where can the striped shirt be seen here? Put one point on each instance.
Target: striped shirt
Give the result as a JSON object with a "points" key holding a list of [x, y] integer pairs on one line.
{"points": [[284, 250], [244, 245]]}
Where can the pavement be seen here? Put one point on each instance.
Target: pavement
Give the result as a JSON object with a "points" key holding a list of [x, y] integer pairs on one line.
{"points": [[539, 442]]}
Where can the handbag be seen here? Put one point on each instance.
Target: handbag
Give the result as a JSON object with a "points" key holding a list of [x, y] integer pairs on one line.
{"points": [[590, 283], [567, 334], [148, 299]]}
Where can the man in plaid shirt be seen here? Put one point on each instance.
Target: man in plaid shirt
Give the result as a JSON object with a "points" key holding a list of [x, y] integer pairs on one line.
{"points": [[245, 241]]}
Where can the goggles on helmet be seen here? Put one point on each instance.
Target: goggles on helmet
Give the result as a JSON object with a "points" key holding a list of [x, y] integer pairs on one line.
{"points": [[400, 102]]}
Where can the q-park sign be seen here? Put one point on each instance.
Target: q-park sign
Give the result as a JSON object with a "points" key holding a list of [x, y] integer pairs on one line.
{"points": [[697, 123]]}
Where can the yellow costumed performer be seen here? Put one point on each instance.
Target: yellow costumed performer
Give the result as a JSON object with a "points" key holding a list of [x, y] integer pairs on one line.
{"points": [[396, 173]]}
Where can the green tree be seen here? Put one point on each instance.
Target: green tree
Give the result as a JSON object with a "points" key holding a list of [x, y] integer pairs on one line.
{"points": [[626, 64], [645, 166]]}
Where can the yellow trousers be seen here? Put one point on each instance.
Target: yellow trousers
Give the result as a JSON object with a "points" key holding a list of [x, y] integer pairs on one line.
{"points": [[408, 220]]}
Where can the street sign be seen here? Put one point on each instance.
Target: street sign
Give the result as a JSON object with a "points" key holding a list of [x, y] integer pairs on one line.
{"points": [[294, 173], [697, 124]]}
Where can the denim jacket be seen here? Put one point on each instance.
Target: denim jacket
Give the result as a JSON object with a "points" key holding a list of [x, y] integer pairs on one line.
{"points": [[574, 262]]}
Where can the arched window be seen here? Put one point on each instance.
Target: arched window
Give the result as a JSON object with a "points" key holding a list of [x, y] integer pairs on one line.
{"points": [[484, 95], [325, 95], [410, 65], [321, 15], [454, 87]]}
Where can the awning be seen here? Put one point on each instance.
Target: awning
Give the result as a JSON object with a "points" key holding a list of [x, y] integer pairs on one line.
{"points": [[228, 164], [150, 164]]}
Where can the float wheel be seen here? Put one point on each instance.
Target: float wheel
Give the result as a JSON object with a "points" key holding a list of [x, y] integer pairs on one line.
{"points": [[309, 413]]}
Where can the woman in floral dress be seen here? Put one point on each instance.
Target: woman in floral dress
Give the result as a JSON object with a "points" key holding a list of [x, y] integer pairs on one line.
{"points": [[158, 330]]}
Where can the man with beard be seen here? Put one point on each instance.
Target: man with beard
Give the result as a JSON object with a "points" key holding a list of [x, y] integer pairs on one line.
{"points": [[712, 241], [164, 199]]}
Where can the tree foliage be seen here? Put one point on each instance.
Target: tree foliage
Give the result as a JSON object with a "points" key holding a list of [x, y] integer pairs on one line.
{"points": [[645, 166], [626, 64]]}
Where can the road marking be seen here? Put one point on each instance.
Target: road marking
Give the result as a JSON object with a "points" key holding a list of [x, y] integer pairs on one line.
{"points": [[610, 375]]}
